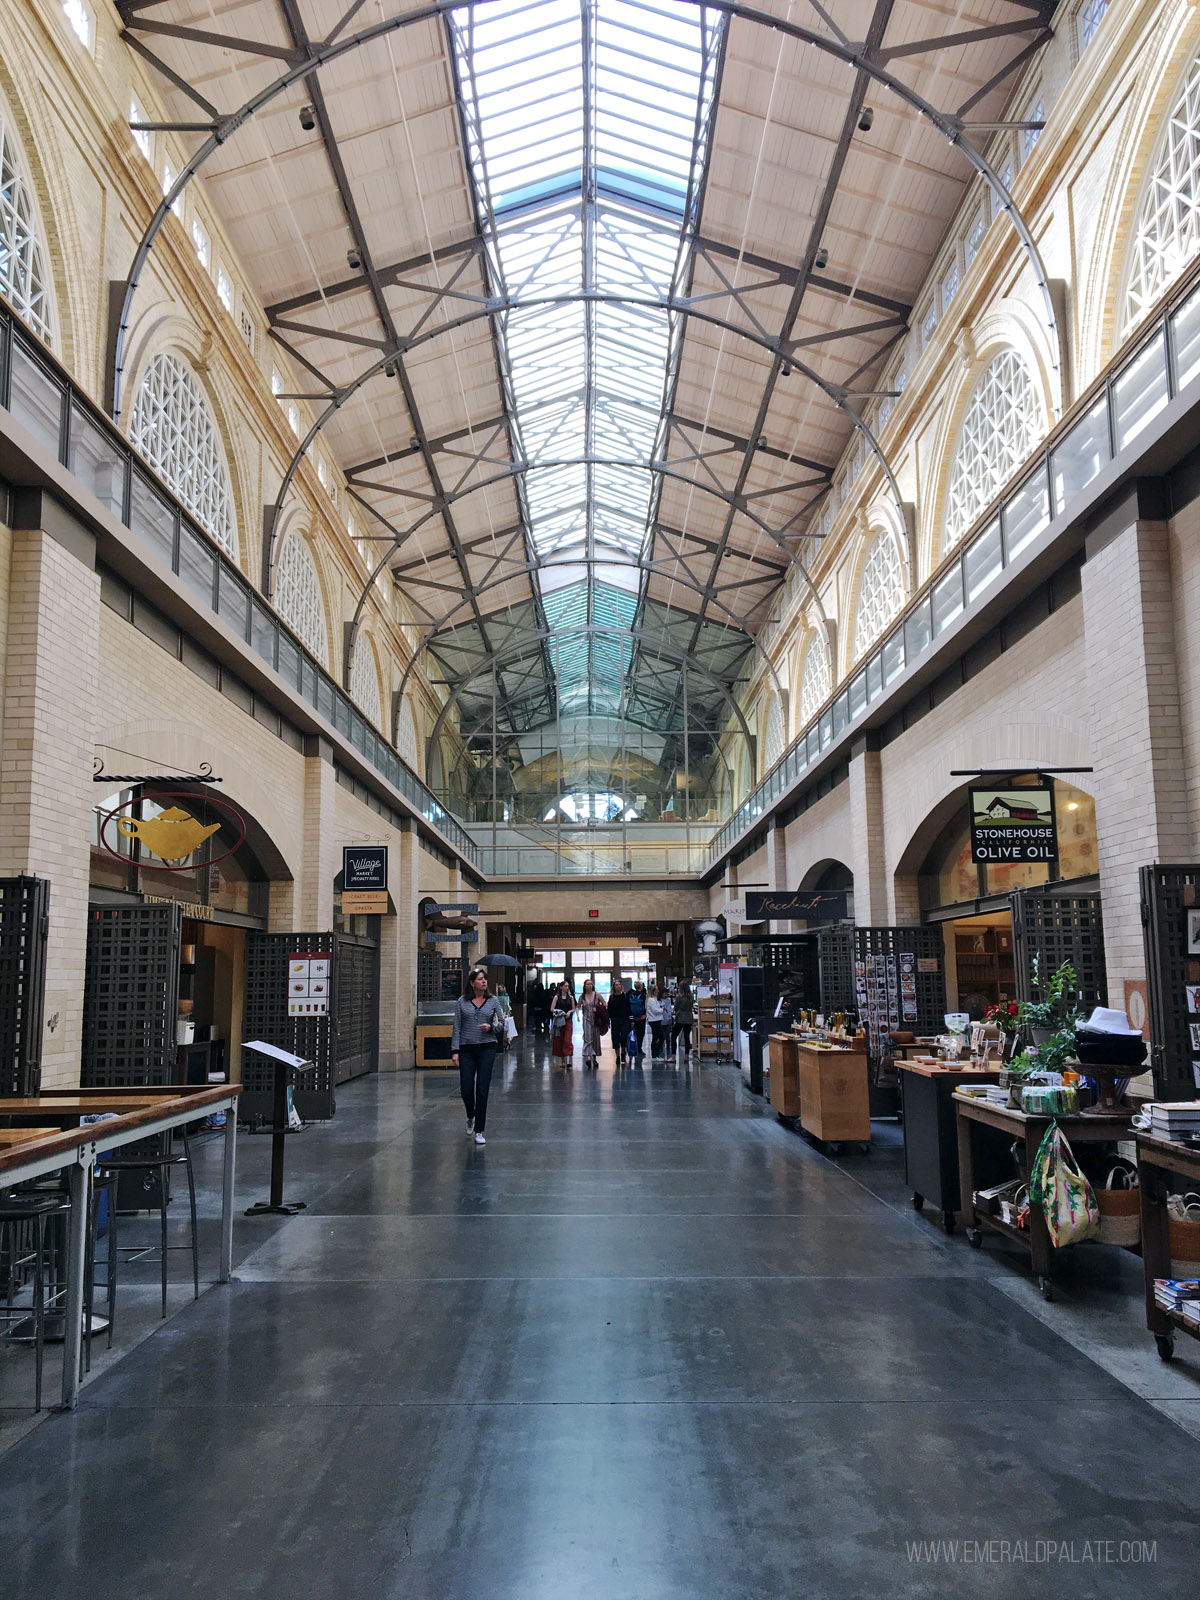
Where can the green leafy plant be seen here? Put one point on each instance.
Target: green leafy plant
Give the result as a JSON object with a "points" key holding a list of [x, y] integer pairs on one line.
{"points": [[1053, 1007], [1022, 1066], [1054, 1053]]}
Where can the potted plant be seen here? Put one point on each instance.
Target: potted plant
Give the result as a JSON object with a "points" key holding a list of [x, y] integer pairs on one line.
{"points": [[1005, 1017], [1053, 1009], [1019, 1070]]}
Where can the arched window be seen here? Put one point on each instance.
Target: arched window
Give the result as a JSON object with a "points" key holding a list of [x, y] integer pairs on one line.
{"points": [[1167, 232], [1002, 424], [364, 680], [880, 592], [815, 680], [298, 596], [772, 744], [24, 278], [174, 429], [406, 736]]}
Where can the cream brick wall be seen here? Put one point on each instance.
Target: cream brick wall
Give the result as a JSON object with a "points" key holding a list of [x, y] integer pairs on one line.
{"points": [[50, 702]]}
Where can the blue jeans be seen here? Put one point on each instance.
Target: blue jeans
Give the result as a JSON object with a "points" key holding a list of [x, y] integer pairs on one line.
{"points": [[475, 1063]]}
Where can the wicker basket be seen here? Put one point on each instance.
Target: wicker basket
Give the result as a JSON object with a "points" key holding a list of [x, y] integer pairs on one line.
{"points": [[1120, 1216], [1185, 1248]]}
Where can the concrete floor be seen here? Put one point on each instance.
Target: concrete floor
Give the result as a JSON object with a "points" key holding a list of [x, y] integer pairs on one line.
{"points": [[647, 1344]]}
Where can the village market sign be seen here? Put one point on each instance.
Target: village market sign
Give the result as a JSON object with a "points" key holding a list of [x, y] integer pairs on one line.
{"points": [[1012, 824]]}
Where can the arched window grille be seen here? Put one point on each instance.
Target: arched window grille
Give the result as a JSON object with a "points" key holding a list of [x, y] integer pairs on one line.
{"points": [[174, 429], [1167, 233], [815, 680], [772, 745], [406, 736], [1003, 423], [364, 681], [880, 592], [298, 596], [24, 274]]}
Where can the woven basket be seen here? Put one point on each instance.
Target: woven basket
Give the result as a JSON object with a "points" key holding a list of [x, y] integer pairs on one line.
{"points": [[1120, 1216], [1185, 1248]]}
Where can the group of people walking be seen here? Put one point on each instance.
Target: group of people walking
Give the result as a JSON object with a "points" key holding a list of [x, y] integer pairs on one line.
{"points": [[481, 1029], [667, 1010]]}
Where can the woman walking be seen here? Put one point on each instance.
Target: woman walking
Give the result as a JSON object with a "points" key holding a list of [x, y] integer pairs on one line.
{"points": [[562, 1013], [685, 1011], [637, 1015], [654, 1016], [478, 1030], [618, 1016], [590, 1009]]}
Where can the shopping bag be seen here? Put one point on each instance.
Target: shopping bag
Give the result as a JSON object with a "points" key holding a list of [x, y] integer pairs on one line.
{"points": [[510, 1029], [1061, 1190], [631, 1043], [601, 1018]]}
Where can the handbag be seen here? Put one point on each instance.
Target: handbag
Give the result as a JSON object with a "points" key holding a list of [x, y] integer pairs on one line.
{"points": [[631, 1044], [1063, 1193], [601, 1018]]}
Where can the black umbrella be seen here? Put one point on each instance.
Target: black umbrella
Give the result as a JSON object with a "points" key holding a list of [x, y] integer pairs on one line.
{"points": [[500, 961]]}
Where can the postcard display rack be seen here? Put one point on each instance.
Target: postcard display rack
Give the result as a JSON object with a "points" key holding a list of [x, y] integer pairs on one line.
{"points": [[899, 986], [1171, 928]]}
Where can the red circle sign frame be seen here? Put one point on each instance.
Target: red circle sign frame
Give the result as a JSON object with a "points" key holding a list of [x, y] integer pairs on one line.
{"points": [[175, 794]]}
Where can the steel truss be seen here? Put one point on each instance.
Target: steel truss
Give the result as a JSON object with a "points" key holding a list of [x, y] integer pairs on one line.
{"points": [[304, 60]]}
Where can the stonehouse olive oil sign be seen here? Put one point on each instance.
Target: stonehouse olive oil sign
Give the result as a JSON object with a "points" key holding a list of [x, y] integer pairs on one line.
{"points": [[1013, 824]]}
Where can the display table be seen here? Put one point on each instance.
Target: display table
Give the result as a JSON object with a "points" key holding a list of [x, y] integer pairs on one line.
{"points": [[73, 1151], [825, 1089], [984, 1161], [931, 1131], [1158, 1161]]}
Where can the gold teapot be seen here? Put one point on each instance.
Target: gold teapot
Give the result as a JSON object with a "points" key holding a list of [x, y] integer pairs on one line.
{"points": [[171, 835]]}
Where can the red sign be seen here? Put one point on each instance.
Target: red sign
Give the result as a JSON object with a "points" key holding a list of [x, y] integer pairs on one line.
{"points": [[593, 913]]}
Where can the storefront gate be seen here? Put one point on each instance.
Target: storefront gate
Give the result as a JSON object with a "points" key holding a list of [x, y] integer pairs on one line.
{"points": [[24, 924], [1058, 928], [1170, 909], [131, 995]]}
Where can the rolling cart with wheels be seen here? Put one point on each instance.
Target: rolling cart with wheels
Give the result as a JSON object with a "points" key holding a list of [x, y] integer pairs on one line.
{"points": [[1159, 1161], [931, 1132], [984, 1158]]}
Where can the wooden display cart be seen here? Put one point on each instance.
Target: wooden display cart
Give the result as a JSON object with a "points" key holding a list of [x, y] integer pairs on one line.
{"points": [[1160, 1160], [433, 1041], [784, 1080], [931, 1131], [980, 1167]]}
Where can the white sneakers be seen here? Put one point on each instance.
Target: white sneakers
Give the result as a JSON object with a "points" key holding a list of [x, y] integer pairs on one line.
{"points": [[470, 1126], [479, 1139]]}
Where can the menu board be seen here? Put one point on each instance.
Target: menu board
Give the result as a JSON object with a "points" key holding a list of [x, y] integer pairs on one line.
{"points": [[308, 984]]}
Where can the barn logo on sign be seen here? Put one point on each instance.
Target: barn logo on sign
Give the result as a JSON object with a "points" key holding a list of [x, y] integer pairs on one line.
{"points": [[1013, 825]]}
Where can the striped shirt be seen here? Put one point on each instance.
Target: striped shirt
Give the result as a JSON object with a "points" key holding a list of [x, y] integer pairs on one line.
{"points": [[473, 1024]]}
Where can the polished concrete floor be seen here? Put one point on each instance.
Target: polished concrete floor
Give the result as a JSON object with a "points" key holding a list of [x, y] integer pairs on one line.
{"points": [[647, 1344]]}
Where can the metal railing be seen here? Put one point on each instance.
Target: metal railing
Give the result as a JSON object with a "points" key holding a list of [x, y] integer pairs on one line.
{"points": [[41, 396], [1110, 419]]}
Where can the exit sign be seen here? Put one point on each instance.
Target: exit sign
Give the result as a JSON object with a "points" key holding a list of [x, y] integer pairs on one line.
{"points": [[593, 913]]}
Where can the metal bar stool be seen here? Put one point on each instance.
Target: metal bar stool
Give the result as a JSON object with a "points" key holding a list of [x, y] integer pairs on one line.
{"points": [[161, 1161], [31, 1208]]}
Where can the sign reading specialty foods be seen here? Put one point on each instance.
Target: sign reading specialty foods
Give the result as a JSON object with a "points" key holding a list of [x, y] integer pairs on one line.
{"points": [[813, 905], [364, 866], [1013, 824]]}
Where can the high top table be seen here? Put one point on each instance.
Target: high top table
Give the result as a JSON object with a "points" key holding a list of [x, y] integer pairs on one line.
{"points": [[140, 1114]]}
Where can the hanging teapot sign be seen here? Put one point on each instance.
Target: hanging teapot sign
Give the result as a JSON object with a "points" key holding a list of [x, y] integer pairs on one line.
{"points": [[175, 833]]}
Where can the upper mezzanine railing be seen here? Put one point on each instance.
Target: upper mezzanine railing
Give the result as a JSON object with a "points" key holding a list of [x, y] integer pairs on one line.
{"points": [[1109, 422]]}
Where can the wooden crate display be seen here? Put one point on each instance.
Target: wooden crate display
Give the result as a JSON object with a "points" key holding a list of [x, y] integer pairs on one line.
{"points": [[714, 1015]]}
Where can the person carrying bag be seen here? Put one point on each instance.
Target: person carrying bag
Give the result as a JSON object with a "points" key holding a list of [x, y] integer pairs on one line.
{"points": [[478, 1034]]}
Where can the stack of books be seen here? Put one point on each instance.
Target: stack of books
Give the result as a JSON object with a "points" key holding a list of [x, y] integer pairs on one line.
{"points": [[1173, 1119], [1181, 1295], [996, 1095]]}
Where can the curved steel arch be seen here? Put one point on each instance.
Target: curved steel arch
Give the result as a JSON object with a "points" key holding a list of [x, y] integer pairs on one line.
{"points": [[590, 630], [501, 307], [332, 49]]}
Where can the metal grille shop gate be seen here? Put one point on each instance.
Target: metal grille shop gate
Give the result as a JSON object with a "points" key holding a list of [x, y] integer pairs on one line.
{"points": [[131, 995], [1170, 904], [914, 954], [24, 924], [341, 1044], [1058, 928]]}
